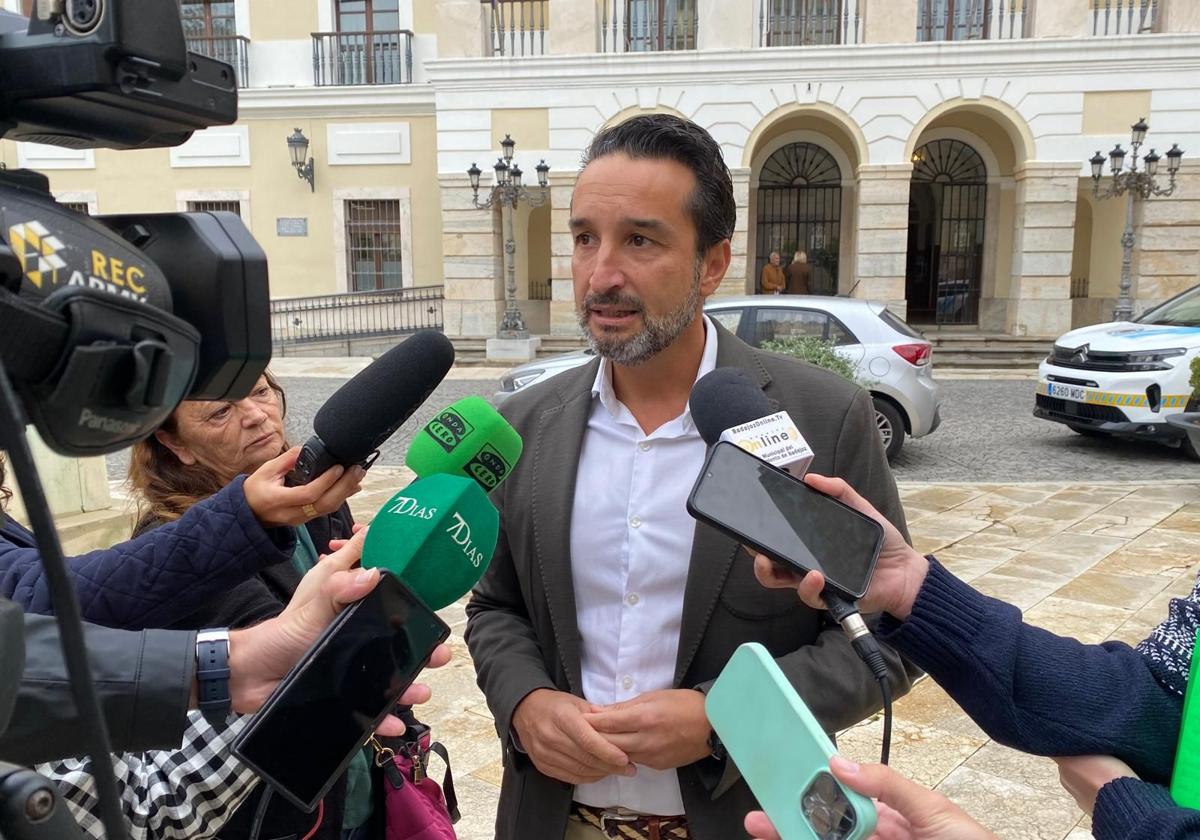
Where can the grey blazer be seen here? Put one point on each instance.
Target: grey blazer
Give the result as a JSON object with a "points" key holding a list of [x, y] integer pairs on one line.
{"points": [[522, 631]]}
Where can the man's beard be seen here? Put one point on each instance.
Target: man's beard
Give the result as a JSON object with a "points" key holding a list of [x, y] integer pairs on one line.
{"points": [[658, 331]]}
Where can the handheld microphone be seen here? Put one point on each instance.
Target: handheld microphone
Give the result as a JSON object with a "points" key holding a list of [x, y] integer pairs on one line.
{"points": [[727, 405], [467, 438], [437, 536], [356, 420]]}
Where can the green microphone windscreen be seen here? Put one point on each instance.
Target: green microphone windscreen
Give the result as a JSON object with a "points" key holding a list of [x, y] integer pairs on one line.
{"points": [[467, 438], [437, 535]]}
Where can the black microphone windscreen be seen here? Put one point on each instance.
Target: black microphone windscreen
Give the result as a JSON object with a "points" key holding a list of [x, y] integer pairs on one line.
{"points": [[368, 409], [725, 398]]}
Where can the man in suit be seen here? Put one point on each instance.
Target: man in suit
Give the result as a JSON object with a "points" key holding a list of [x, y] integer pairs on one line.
{"points": [[606, 611]]}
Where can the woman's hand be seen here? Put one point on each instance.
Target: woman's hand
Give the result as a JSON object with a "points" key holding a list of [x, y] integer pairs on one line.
{"points": [[275, 504], [1084, 775]]}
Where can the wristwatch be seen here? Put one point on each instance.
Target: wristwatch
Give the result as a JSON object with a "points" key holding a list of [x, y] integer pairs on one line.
{"points": [[212, 674], [715, 747]]}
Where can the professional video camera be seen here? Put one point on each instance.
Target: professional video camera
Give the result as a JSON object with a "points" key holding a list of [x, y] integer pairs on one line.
{"points": [[107, 323]]}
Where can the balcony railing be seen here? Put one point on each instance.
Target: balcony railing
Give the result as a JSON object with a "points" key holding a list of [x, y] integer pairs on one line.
{"points": [[363, 58], [801, 23], [356, 315], [647, 25], [970, 20], [517, 27], [1124, 17], [232, 49]]}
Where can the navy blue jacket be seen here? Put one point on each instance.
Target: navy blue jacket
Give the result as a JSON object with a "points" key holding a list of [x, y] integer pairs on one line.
{"points": [[157, 579], [1049, 695]]}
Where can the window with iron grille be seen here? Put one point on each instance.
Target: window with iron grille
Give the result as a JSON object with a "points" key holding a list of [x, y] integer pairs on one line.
{"points": [[214, 207], [77, 206], [373, 243]]}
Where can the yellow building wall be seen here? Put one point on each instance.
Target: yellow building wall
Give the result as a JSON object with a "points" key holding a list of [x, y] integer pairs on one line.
{"points": [[1114, 111], [144, 181], [275, 21]]}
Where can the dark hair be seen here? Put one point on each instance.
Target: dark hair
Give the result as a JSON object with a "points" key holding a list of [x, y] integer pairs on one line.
{"points": [[665, 136], [165, 485]]}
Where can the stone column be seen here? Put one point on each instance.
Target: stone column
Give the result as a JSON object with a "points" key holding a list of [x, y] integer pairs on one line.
{"points": [[889, 21], [882, 234], [574, 27], [460, 29], [736, 277], [1166, 256], [562, 291], [1058, 18], [472, 263], [726, 25], [1043, 242]]}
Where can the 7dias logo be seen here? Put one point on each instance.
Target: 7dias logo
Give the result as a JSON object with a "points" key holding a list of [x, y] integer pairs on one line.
{"points": [[460, 533], [488, 467], [449, 429], [406, 506]]}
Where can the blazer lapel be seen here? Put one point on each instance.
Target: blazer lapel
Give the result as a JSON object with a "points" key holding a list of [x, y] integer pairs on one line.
{"points": [[556, 448], [712, 552]]}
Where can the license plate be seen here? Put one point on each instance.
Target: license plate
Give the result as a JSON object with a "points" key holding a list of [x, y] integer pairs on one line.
{"points": [[1067, 392]]}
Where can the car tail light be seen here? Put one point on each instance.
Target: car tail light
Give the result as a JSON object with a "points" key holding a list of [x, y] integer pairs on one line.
{"points": [[914, 354]]}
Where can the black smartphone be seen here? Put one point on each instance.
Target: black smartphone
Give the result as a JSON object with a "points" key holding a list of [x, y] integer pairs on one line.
{"points": [[328, 705], [779, 515]]}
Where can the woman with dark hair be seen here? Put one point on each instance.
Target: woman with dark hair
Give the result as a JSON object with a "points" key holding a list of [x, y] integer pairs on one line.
{"points": [[202, 446]]}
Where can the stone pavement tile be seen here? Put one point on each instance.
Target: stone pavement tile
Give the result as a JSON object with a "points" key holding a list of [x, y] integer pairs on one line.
{"points": [[1098, 495], [1074, 545], [924, 754], [1039, 773], [454, 688], [1019, 530], [1079, 833], [928, 705], [991, 506], [1037, 566], [1090, 623], [952, 522], [1073, 511], [941, 497], [1113, 590], [477, 802], [1149, 511], [1012, 810], [492, 773], [1175, 491], [1110, 525], [965, 568], [1156, 552], [1023, 593], [1138, 627], [1029, 493], [1187, 518], [471, 740]]}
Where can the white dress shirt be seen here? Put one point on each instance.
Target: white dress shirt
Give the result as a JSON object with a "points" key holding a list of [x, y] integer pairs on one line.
{"points": [[631, 542]]}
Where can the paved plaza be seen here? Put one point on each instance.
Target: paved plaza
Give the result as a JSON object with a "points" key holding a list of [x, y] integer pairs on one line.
{"points": [[1092, 560]]}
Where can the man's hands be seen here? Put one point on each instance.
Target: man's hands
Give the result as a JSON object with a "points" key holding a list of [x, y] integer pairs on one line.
{"points": [[552, 728], [260, 656], [1084, 775], [898, 575], [276, 504], [659, 729], [906, 810]]}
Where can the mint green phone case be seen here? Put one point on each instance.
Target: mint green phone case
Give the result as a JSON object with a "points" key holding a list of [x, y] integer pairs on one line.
{"points": [[781, 751]]}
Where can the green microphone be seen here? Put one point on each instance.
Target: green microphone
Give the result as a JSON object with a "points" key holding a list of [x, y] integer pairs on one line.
{"points": [[467, 438], [437, 535]]}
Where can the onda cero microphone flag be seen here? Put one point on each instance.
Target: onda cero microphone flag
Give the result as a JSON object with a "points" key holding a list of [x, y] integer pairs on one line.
{"points": [[467, 438], [437, 535]]}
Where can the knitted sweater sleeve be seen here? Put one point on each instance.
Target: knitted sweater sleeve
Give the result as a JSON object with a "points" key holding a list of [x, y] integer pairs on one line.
{"points": [[1130, 809], [1032, 690]]}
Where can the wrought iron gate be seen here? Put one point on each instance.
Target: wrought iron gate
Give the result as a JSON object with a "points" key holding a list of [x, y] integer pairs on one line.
{"points": [[800, 209], [947, 217]]}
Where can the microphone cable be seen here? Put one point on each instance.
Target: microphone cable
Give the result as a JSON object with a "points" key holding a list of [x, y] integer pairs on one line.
{"points": [[845, 612]]}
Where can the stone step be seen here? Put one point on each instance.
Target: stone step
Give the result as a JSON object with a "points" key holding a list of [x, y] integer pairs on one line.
{"points": [[84, 532]]}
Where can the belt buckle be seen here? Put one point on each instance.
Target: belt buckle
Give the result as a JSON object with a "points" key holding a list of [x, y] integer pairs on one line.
{"points": [[609, 814]]}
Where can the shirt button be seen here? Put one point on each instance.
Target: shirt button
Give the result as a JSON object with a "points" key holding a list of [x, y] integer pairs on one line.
{"points": [[636, 521], [627, 683], [632, 599], [644, 446]]}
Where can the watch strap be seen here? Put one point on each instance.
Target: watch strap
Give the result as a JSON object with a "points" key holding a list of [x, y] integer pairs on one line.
{"points": [[212, 675]]}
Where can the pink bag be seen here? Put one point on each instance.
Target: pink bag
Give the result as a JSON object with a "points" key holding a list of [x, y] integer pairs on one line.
{"points": [[416, 807]]}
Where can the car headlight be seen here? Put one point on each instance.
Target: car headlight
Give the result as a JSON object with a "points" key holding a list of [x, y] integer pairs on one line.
{"points": [[526, 377], [1154, 359]]}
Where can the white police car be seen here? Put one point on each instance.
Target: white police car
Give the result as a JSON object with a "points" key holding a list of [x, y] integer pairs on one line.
{"points": [[1126, 378]]}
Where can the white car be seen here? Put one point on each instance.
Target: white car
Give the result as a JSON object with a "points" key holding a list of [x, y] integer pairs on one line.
{"points": [[1126, 378], [892, 358]]}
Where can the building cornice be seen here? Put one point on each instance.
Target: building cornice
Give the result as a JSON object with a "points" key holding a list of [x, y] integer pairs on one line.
{"points": [[932, 60], [357, 101]]}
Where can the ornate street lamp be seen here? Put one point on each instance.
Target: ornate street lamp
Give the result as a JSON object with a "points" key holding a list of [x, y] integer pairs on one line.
{"points": [[298, 150], [1136, 184], [508, 192]]}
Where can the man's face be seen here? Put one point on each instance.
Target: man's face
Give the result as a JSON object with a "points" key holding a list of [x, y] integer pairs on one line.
{"points": [[638, 281], [774, 258]]}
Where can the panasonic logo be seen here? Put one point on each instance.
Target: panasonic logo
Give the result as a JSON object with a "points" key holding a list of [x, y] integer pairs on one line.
{"points": [[98, 422]]}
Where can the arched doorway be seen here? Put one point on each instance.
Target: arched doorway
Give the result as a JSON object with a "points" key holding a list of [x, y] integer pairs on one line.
{"points": [[799, 208], [946, 223]]}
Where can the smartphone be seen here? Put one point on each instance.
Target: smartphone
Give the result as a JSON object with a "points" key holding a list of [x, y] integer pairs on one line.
{"points": [[782, 752], [327, 706], [782, 517]]}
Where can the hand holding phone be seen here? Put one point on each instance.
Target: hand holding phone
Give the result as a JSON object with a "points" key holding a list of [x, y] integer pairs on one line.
{"points": [[782, 752]]}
